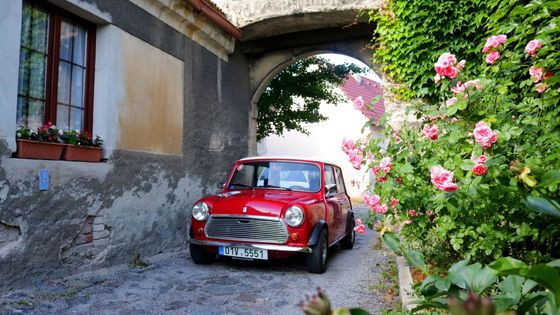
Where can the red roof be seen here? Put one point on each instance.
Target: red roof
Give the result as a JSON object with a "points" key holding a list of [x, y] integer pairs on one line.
{"points": [[367, 89]]}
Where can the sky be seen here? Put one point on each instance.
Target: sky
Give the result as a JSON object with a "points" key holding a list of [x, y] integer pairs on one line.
{"points": [[338, 59]]}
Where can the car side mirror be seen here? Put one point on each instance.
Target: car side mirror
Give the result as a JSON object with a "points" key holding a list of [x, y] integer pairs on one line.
{"points": [[330, 189]]}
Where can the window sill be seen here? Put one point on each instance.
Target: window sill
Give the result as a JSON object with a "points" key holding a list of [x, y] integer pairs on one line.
{"points": [[60, 171]]}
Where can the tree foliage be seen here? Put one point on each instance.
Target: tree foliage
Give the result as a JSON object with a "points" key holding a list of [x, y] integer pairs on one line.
{"points": [[293, 97]]}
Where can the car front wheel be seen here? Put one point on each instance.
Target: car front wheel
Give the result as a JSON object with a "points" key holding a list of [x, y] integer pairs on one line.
{"points": [[317, 260], [200, 256]]}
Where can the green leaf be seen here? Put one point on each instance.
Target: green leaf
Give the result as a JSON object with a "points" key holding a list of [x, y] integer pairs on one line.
{"points": [[508, 265], [548, 277], [550, 178], [393, 242], [416, 259], [554, 263], [543, 205]]}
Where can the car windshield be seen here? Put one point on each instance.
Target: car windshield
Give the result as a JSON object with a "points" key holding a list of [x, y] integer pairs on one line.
{"points": [[277, 175]]}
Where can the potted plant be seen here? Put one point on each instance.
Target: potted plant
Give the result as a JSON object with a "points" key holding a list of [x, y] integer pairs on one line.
{"points": [[41, 143], [81, 147]]}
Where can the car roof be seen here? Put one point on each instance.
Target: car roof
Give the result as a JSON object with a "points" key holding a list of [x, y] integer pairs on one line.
{"points": [[287, 158]]}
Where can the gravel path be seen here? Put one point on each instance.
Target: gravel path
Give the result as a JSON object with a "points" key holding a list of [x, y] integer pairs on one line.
{"points": [[172, 284]]}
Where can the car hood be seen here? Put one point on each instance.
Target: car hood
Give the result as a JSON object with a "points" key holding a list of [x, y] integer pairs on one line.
{"points": [[261, 202]]}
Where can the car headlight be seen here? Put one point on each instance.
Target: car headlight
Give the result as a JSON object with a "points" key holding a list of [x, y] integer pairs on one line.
{"points": [[200, 211], [294, 216]]}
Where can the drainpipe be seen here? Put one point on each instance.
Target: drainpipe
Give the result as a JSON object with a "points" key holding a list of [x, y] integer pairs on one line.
{"points": [[202, 7]]}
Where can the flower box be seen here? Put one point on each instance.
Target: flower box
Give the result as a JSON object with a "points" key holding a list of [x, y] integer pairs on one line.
{"points": [[82, 153], [28, 149]]}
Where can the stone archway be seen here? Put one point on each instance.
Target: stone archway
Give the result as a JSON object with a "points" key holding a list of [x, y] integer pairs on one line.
{"points": [[264, 69]]}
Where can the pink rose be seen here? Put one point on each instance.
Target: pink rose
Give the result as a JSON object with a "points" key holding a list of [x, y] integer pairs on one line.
{"points": [[380, 209], [385, 164], [450, 102], [547, 75], [481, 159], [541, 87], [348, 145], [430, 213], [492, 57], [459, 88], [437, 78], [360, 229], [399, 180], [359, 103], [412, 212], [484, 135], [475, 83], [532, 47], [382, 179], [372, 201], [443, 179], [358, 222], [461, 64], [454, 120], [407, 221], [394, 202], [445, 67], [431, 132], [494, 42], [479, 170], [536, 73]]}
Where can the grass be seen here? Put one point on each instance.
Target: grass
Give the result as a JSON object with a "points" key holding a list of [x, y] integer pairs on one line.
{"points": [[388, 288], [137, 263]]}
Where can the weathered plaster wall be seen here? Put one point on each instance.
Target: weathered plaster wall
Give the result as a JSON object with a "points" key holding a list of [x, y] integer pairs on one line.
{"points": [[99, 214], [10, 29], [151, 111]]}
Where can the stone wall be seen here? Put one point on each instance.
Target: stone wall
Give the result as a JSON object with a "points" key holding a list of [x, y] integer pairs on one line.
{"points": [[138, 200]]}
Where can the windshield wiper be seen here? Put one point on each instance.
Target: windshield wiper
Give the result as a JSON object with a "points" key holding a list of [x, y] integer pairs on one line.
{"points": [[273, 186]]}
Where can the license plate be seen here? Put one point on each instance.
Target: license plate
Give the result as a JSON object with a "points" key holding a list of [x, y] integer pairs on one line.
{"points": [[240, 252]]}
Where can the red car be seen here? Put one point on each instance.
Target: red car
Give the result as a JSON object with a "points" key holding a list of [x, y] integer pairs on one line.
{"points": [[273, 208]]}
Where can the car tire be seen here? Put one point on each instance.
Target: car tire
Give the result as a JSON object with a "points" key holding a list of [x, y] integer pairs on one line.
{"points": [[348, 241], [317, 260], [200, 256]]}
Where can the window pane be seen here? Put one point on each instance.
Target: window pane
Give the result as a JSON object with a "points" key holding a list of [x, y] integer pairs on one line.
{"points": [[76, 119], [62, 117], [21, 111], [77, 86], [66, 37], [23, 79], [35, 114], [37, 72], [79, 45], [26, 25], [39, 30], [64, 75]]}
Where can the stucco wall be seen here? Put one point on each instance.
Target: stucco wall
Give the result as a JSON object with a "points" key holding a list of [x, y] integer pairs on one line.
{"points": [[99, 214]]}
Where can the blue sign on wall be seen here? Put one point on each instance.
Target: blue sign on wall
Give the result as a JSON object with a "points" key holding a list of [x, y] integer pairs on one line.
{"points": [[43, 179]]}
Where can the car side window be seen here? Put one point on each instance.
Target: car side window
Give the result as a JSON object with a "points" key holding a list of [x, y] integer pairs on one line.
{"points": [[329, 176], [339, 180]]}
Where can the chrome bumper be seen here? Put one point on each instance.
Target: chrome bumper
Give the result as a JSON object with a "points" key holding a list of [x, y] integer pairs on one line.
{"points": [[282, 248]]}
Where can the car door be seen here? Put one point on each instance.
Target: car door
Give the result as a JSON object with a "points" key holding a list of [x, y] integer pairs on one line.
{"points": [[343, 200], [334, 214]]}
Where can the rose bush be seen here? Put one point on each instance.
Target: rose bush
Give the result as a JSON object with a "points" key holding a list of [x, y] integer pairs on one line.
{"points": [[506, 114]]}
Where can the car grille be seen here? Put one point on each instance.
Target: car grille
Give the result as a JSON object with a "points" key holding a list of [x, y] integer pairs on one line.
{"points": [[246, 229]]}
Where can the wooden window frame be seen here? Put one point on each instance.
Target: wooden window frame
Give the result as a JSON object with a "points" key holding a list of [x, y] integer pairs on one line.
{"points": [[56, 15]]}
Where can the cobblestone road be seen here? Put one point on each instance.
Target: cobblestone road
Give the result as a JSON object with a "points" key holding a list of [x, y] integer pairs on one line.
{"points": [[172, 284]]}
